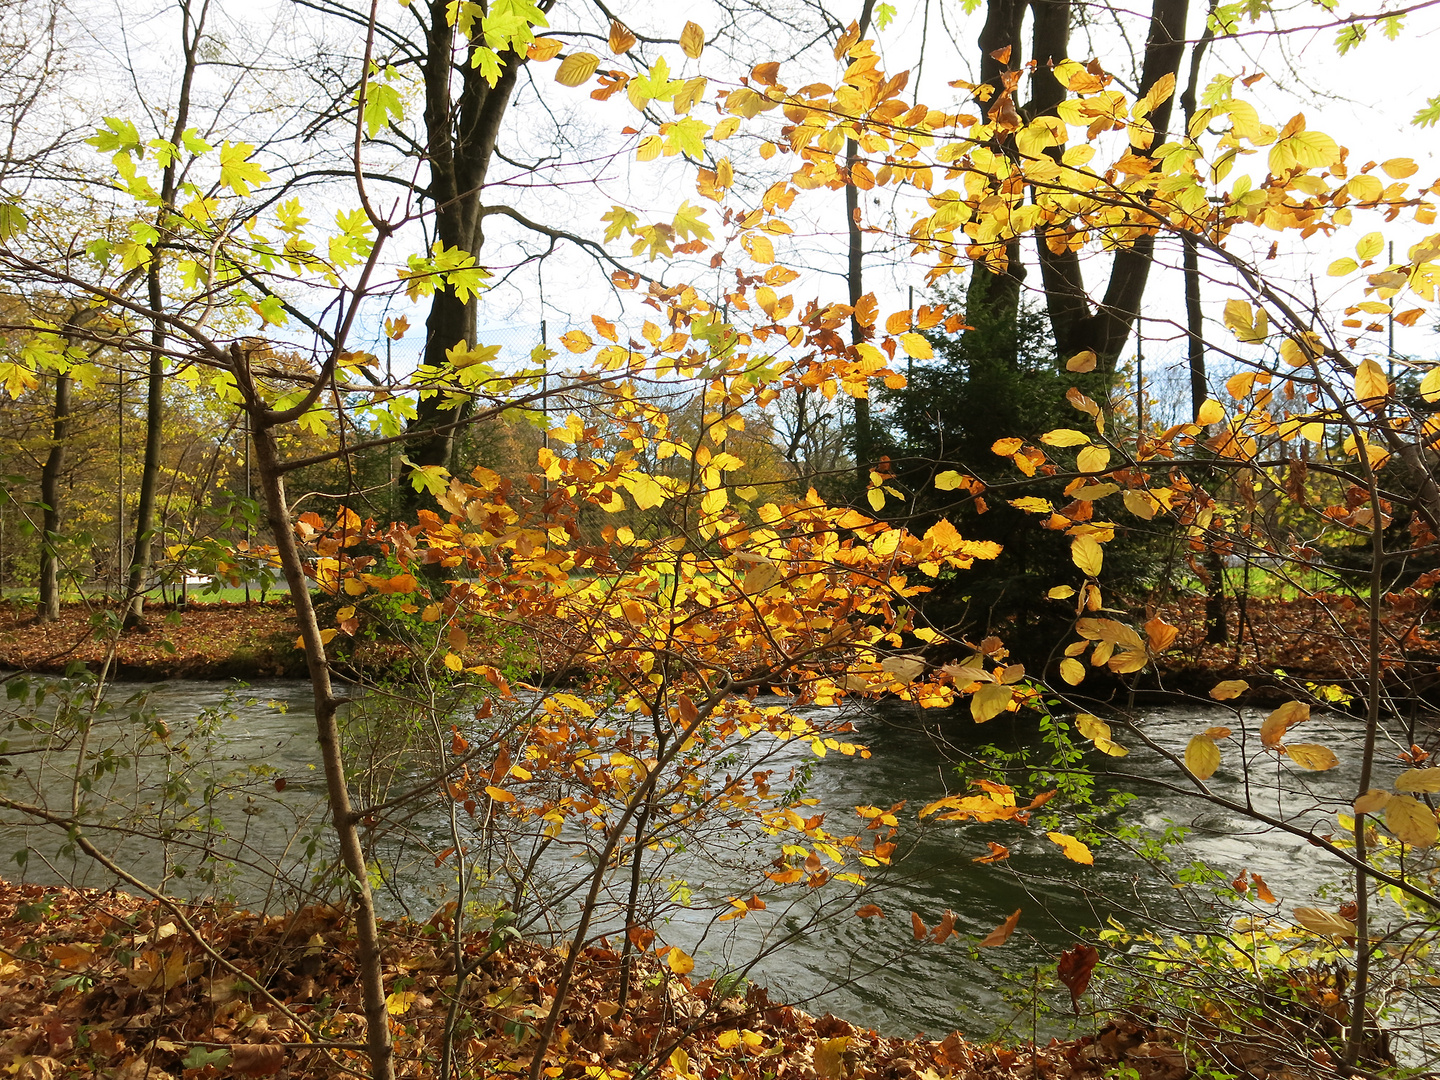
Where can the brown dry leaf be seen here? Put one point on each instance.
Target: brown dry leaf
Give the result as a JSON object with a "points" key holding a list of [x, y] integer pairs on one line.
{"points": [[1001, 934], [917, 925], [621, 39], [1074, 970], [248, 1059], [944, 928], [869, 911], [1160, 634], [1262, 891]]}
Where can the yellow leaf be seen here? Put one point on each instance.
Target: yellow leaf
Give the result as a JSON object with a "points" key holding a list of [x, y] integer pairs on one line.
{"points": [[829, 1057], [1410, 820], [398, 1003], [1398, 168], [1312, 756], [990, 701], [1324, 922], [949, 480], [1370, 245], [679, 961], [1092, 459], [1006, 447], [1211, 412], [1373, 800], [576, 68], [1140, 503], [453, 662], [1065, 437], [692, 40], [498, 794], [1423, 780], [644, 489], [1430, 385], [1341, 267], [1086, 553], [1074, 850], [1061, 592], [1082, 361], [1230, 688], [876, 498], [1072, 671], [1370, 381], [917, 345], [1202, 757], [1279, 721]]}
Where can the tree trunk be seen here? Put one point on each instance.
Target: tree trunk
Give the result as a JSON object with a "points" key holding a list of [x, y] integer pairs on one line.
{"points": [[327, 729], [461, 133], [1106, 328], [49, 608], [1217, 628], [142, 557], [855, 278]]}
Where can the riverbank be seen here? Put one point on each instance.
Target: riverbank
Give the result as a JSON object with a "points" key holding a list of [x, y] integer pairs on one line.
{"points": [[1319, 639], [105, 984]]}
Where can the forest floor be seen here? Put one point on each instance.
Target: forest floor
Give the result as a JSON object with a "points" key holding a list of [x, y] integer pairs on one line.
{"points": [[1321, 638], [106, 985]]}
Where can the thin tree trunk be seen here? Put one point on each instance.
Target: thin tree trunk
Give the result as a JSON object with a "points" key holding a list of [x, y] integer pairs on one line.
{"points": [[1216, 618], [49, 608], [346, 821], [142, 557], [461, 131], [855, 277]]}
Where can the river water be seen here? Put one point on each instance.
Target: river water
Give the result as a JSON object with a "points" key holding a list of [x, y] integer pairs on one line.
{"points": [[867, 970]]}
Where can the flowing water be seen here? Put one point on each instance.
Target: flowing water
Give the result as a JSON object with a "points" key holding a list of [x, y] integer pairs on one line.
{"points": [[867, 970]]}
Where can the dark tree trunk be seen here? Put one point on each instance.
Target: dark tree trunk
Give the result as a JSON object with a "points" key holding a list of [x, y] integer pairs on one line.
{"points": [[992, 301], [855, 278], [461, 132], [142, 557], [49, 608], [1107, 327]]}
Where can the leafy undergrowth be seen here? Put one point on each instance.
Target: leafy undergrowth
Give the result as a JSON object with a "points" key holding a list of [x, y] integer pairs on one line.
{"points": [[1320, 638], [103, 984], [221, 640]]}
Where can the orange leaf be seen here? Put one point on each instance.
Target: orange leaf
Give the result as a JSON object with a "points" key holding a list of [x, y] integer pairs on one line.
{"points": [[917, 924], [869, 911], [1001, 934]]}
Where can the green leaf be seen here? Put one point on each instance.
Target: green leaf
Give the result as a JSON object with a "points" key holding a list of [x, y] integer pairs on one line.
{"points": [[237, 171], [12, 221], [199, 1057], [382, 106], [116, 135], [1429, 115], [884, 15]]}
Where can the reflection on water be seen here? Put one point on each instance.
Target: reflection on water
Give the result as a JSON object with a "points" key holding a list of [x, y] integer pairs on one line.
{"points": [[868, 970]]}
